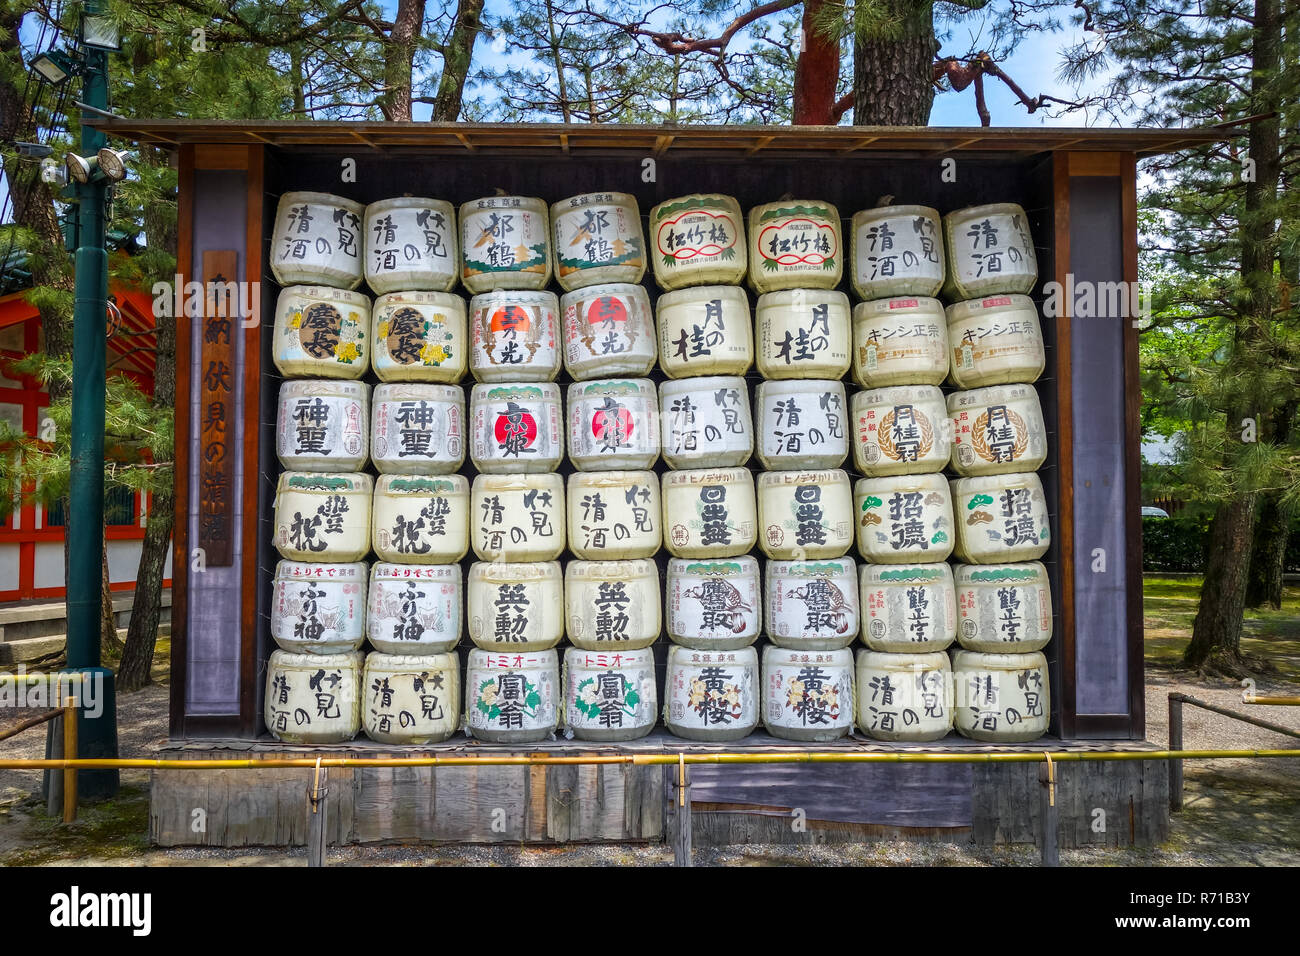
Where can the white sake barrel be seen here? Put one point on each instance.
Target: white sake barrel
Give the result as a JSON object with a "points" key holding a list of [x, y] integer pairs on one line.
{"points": [[318, 608], [414, 608], [321, 333], [1001, 518], [905, 696], [803, 333], [713, 605], [697, 240], [900, 342], [323, 517], [997, 430], [420, 337], [709, 512], [613, 424], [598, 239], [516, 428], [711, 695], [801, 424], [417, 429], [904, 519], [313, 698], [610, 695], [515, 606], [705, 421], [1003, 608], [705, 330], [614, 515], [419, 520], [995, 340], [989, 251], [807, 695], [897, 250], [322, 425], [317, 239], [804, 515], [512, 697], [900, 430], [505, 243], [517, 517], [410, 699], [514, 336], [1001, 698], [608, 330], [612, 605], [811, 605], [795, 244], [410, 245], [908, 608]]}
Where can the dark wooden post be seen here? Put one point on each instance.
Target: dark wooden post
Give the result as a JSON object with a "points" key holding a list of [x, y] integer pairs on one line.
{"points": [[682, 816], [1175, 743], [317, 817], [1047, 814]]}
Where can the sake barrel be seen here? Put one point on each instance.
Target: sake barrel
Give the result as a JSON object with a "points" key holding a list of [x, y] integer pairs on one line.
{"points": [[414, 608], [995, 340], [900, 341], [322, 425], [989, 250], [410, 245], [801, 424], [709, 512], [318, 608], [905, 696], [313, 698], [608, 330], [807, 695], [805, 514], [417, 429], [505, 243], [420, 337], [712, 605], [697, 240], [1001, 698], [419, 520], [711, 695], [705, 421], [705, 330], [795, 244], [321, 333], [515, 607], [323, 517], [516, 428], [517, 517], [411, 699], [900, 430], [317, 240], [610, 695], [514, 336], [614, 515], [803, 333], [512, 697], [811, 605], [613, 424], [908, 608], [997, 430], [612, 605], [904, 519], [897, 251], [598, 239], [1001, 518], [1003, 608]]}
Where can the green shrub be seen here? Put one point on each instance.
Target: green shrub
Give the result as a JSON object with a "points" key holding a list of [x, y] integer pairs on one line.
{"points": [[1174, 544]]}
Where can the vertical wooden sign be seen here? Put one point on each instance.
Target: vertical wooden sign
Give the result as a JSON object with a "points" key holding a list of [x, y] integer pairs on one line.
{"points": [[217, 435]]}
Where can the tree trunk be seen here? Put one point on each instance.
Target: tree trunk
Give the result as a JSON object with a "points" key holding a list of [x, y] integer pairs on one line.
{"points": [[399, 60], [1215, 647], [816, 71], [893, 68], [109, 645], [456, 59], [1268, 553]]}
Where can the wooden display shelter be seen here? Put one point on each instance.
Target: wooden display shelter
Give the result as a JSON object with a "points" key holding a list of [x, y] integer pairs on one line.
{"points": [[1078, 188]]}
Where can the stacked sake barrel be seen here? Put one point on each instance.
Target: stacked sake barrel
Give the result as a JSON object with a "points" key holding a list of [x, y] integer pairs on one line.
{"points": [[711, 595]]}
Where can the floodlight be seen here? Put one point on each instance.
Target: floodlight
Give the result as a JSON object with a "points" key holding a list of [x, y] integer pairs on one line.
{"points": [[80, 169], [54, 66], [100, 32], [112, 163]]}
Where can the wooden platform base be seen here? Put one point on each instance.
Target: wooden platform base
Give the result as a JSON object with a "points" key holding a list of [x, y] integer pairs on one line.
{"points": [[1117, 803]]}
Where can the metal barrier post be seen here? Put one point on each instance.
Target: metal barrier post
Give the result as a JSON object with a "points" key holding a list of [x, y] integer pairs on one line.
{"points": [[1051, 854], [318, 816], [1175, 743], [682, 815]]}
